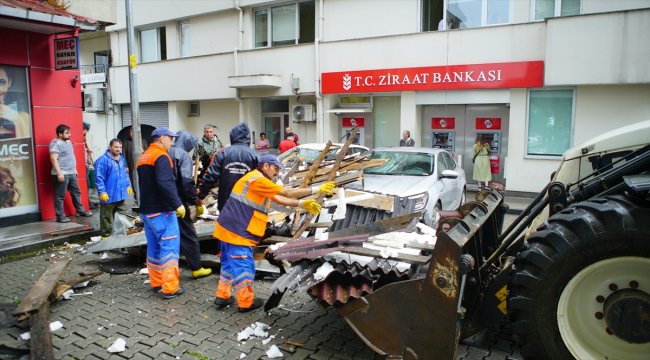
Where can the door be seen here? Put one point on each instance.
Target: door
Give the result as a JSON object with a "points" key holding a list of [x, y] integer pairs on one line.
{"points": [[274, 125]]}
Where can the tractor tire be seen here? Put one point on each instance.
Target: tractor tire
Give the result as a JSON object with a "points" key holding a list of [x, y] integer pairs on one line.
{"points": [[580, 287]]}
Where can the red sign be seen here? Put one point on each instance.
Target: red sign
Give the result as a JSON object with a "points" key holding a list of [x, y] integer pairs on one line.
{"points": [[440, 123], [488, 123], [66, 53], [348, 122], [494, 164], [453, 77]]}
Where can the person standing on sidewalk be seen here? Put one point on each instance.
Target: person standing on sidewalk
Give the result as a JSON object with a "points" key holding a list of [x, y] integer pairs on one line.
{"points": [[406, 139], [113, 185], [206, 148], [179, 152], [242, 224], [64, 174], [229, 165], [481, 171], [159, 207]]}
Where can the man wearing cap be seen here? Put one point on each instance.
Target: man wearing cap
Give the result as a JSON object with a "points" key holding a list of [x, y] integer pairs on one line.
{"points": [[242, 223], [159, 207]]}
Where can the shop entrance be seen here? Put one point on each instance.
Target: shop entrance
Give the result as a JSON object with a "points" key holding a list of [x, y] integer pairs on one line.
{"points": [[456, 127], [274, 125]]}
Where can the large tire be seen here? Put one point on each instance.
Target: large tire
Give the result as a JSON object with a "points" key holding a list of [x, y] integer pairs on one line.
{"points": [[581, 256]]}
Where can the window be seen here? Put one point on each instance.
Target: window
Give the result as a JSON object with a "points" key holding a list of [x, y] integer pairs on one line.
{"points": [[153, 45], [432, 15], [287, 24], [550, 122], [185, 38], [465, 14], [550, 8]]}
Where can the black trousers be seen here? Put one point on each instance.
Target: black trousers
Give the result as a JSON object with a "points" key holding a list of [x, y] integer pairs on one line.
{"points": [[189, 241], [70, 184]]}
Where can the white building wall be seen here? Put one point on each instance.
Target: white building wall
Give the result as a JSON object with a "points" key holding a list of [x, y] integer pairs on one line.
{"points": [[598, 6], [213, 34]]}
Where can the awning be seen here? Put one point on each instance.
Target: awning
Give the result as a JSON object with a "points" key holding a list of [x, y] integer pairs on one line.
{"points": [[349, 110], [259, 81], [36, 16]]}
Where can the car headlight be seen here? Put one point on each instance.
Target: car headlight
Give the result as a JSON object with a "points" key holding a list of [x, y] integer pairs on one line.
{"points": [[420, 200]]}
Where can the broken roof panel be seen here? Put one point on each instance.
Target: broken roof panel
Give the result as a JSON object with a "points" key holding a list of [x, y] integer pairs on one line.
{"points": [[39, 12]]}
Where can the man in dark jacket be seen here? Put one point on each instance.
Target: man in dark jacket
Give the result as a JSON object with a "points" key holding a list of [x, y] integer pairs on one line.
{"points": [[159, 207], [179, 152], [229, 165]]}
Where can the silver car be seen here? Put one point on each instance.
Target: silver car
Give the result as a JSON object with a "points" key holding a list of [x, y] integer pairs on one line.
{"points": [[430, 176]]}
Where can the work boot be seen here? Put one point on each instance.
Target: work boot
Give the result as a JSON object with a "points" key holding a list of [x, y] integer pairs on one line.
{"points": [[157, 289], [257, 303], [201, 273], [178, 292], [222, 303]]}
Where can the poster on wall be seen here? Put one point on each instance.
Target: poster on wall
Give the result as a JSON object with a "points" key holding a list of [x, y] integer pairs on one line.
{"points": [[17, 175]]}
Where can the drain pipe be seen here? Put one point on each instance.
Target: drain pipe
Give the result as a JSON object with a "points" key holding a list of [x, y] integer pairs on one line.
{"points": [[240, 42], [320, 119]]}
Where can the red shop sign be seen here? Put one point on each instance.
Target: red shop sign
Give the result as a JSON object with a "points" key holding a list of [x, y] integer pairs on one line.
{"points": [[443, 123], [523, 74], [347, 122], [488, 123]]}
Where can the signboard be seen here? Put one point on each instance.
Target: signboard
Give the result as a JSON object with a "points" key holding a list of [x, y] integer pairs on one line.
{"points": [[66, 53], [93, 78], [488, 123], [443, 123], [452, 77], [352, 122], [17, 180]]}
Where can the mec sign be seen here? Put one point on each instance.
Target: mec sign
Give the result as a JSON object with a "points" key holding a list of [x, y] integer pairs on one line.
{"points": [[66, 53]]}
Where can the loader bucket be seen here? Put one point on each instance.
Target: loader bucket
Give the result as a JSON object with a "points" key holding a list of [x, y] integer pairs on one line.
{"points": [[421, 318]]}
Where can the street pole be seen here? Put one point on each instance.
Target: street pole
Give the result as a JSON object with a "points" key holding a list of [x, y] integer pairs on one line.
{"points": [[135, 106]]}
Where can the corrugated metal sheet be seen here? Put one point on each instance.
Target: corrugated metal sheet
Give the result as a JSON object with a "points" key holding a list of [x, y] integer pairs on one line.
{"points": [[359, 215]]}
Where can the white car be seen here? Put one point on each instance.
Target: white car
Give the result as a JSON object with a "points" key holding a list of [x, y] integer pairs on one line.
{"points": [[430, 176], [311, 151]]}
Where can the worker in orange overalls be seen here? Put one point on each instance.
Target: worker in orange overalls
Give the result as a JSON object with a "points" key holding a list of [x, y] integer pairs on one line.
{"points": [[159, 207], [242, 223]]}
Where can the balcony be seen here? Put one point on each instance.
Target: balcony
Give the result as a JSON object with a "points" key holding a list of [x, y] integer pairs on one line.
{"points": [[91, 74]]}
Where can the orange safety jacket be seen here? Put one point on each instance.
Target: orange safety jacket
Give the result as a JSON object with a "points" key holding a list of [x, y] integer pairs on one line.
{"points": [[243, 220]]}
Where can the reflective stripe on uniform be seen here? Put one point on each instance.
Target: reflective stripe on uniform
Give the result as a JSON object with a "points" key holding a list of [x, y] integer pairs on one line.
{"points": [[263, 208]]}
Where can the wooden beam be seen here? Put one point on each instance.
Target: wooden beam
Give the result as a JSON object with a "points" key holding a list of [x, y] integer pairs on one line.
{"points": [[38, 294], [314, 167], [67, 285], [378, 201], [41, 341]]}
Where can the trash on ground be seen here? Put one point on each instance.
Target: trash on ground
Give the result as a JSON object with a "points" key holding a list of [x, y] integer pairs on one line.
{"points": [[274, 352], [118, 346]]}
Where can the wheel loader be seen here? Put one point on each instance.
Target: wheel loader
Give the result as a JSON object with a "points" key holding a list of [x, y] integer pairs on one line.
{"points": [[571, 273]]}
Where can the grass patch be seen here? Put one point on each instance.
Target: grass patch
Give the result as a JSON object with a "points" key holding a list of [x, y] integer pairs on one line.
{"points": [[197, 355]]}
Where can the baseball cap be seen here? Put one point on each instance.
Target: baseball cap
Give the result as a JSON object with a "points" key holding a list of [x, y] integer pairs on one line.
{"points": [[86, 125], [270, 159], [163, 131]]}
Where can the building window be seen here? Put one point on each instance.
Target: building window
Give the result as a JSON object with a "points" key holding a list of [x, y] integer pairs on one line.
{"points": [[185, 38], [550, 122], [153, 45], [551, 8], [432, 15], [288, 24], [465, 14]]}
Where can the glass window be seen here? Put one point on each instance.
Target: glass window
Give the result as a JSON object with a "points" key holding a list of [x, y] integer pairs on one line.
{"points": [[153, 45], [550, 8], [550, 122], [432, 15], [285, 25], [402, 163], [464, 14], [185, 39]]}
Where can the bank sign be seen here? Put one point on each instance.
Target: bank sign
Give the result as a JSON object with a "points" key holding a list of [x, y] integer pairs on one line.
{"points": [[525, 74], [66, 53]]}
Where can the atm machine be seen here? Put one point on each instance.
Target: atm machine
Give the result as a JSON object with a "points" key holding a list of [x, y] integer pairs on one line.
{"points": [[490, 129], [443, 133], [347, 124]]}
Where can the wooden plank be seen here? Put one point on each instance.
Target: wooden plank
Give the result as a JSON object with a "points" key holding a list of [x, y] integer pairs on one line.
{"points": [[41, 341], [314, 167], [38, 294], [72, 230], [378, 201], [332, 176], [293, 169], [69, 284]]}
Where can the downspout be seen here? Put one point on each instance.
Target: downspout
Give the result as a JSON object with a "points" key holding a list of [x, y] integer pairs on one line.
{"points": [[240, 42], [320, 119]]}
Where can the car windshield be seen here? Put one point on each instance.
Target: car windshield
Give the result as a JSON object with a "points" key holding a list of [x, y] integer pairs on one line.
{"points": [[402, 163]]}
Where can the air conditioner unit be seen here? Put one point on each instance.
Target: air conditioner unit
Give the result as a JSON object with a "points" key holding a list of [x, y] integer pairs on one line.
{"points": [[94, 100], [301, 113]]}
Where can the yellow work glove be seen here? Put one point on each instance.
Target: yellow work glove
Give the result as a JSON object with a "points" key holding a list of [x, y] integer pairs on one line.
{"points": [[103, 197], [200, 209], [180, 211], [129, 191], [327, 188], [310, 205]]}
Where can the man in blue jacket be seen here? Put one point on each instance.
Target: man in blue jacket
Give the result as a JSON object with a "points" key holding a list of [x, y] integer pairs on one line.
{"points": [[229, 165], [179, 152], [113, 185]]}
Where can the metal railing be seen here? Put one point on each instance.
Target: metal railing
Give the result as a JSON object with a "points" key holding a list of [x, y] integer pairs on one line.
{"points": [[94, 69]]}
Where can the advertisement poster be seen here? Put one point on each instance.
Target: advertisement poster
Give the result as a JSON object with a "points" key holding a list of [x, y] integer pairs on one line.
{"points": [[17, 176]]}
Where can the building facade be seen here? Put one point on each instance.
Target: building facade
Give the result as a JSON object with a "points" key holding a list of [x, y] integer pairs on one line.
{"points": [[532, 77]]}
